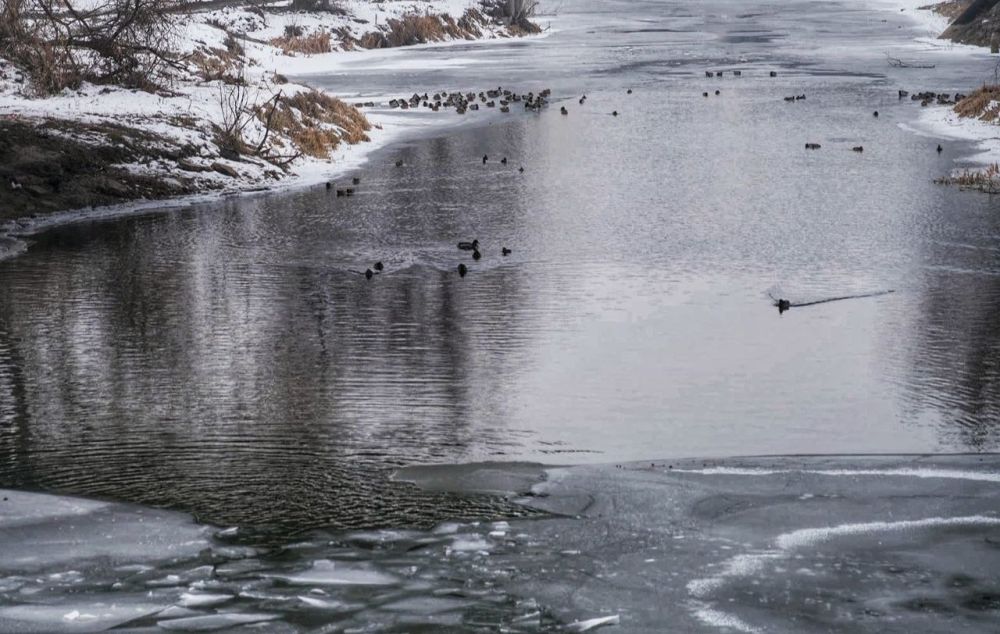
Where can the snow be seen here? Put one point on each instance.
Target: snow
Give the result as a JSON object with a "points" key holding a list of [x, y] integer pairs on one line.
{"points": [[982, 476], [185, 118], [592, 624], [197, 600], [214, 622], [810, 536], [328, 573], [944, 123]]}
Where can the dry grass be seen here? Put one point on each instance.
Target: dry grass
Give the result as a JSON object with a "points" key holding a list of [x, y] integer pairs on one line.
{"points": [[317, 123], [981, 104], [312, 44], [421, 29], [218, 64], [985, 180]]}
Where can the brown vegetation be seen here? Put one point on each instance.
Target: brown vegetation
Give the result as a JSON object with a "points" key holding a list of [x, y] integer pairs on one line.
{"points": [[985, 180], [291, 43], [315, 122], [217, 64], [982, 103]]}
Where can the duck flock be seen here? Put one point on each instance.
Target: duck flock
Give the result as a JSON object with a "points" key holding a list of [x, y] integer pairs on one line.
{"points": [[463, 102]]}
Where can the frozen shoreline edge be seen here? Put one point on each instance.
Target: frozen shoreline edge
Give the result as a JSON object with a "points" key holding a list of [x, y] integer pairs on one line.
{"points": [[386, 131]]}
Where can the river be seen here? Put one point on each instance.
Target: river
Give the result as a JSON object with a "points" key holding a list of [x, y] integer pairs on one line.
{"points": [[225, 359]]}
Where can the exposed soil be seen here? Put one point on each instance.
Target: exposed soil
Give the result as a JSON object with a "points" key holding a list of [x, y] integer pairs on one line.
{"points": [[981, 27], [43, 170]]}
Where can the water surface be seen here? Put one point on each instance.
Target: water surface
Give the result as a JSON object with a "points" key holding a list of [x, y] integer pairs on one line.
{"points": [[227, 360]]}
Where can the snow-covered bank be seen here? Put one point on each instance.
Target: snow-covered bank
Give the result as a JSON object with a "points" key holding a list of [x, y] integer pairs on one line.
{"points": [[235, 66], [942, 121]]}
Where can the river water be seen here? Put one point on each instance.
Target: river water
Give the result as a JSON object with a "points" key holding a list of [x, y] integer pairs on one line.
{"points": [[225, 360]]}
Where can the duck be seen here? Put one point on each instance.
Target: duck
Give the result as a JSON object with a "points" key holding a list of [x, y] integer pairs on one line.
{"points": [[875, 114], [341, 193], [563, 110], [369, 274], [774, 73], [521, 169], [476, 255], [356, 180], [505, 251], [399, 163], [485, 158], [462, 270], [329, 185], [704, 94], [469, 246], [783, 305], [628, 92], [379, 266], [858, 148], [939, 148], [717, 92], [614, 114], [812, 146], [503, 161]]}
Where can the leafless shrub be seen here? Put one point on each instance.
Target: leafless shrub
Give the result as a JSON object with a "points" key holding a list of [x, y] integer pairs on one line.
{"points": [[516, 13], [316, 5], [312, 44], [127, 42]]}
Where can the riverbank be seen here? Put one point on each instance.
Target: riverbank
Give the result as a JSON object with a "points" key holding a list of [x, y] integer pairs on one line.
{"points": [[228, 119]]}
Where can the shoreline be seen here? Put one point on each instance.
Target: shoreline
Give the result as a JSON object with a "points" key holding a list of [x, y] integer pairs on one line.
{"points": [[388, 127]]}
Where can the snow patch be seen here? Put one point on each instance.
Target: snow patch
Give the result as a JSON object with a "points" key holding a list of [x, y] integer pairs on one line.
{"points": [[981, 476]]}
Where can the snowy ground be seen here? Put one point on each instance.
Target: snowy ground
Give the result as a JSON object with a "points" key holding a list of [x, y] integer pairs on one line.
{"points": [[185, 115], [941, 121]]}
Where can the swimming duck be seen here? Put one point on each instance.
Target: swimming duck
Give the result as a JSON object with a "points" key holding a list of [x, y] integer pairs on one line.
{"points": [[774, 73], [521, 169], [476, 255], [505, 251], [562, 109], [462, 270], [469, 246], [704, 94], [718, 92], [379, 266], [356, 180], [614, 114], [485, 158], [783, 305], [399, 163], [940, 149], [628, 92], [329, 185], [503, 161], [875, 114], [369, 274], [858, 148]]}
